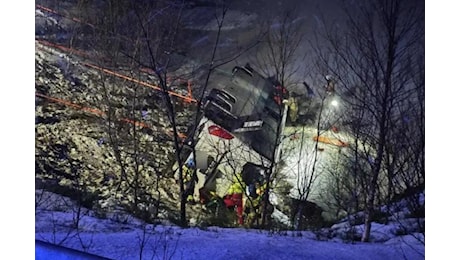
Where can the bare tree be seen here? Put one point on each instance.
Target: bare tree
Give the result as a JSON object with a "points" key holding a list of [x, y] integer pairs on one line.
{"points": [[405, 153], [159, 50], [277, 58], [314, 147], [137, 163], [159, 62], [370, 56]]}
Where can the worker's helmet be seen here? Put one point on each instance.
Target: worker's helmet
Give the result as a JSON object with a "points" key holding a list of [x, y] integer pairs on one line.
{"points": [[190, 163]]}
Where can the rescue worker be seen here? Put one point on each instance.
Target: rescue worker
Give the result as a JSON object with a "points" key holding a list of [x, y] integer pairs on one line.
{"points": [[254, 207], [293, 109], [234, 197], [330, 86], [189, 181]]}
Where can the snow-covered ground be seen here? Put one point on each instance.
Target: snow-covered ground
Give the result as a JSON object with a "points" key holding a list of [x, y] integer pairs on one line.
{"points": [[124, 237], [17, 142]]}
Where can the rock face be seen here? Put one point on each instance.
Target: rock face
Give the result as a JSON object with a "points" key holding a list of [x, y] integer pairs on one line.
{"points": [[103, 134], [101, 138]]}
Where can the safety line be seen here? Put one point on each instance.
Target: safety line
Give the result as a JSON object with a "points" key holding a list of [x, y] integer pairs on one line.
{"points": [[101, 113], [138, 81], [63, 48], [56, 13], [70, 104], [188, 98]]}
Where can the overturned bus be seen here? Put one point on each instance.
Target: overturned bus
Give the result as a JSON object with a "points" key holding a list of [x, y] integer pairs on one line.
{"points": [[242, 120]]}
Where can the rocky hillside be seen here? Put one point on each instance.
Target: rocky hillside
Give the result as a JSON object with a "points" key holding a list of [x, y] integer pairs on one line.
{"points": [[98, 134], [103, 135]]}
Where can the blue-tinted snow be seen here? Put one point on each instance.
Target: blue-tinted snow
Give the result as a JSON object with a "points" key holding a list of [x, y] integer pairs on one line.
{"points": [[114, 240]]}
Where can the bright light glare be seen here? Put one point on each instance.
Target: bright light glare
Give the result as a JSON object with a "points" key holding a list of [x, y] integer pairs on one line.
{"points": [[334, 103]]}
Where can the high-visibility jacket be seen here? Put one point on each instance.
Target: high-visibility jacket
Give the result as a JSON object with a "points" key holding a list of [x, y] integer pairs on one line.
{"points": [[237, 186], [293, 109], [261, 189], [187, 173]]}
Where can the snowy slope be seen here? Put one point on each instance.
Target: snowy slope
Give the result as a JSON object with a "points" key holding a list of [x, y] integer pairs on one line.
{"points": [[124, 240]]}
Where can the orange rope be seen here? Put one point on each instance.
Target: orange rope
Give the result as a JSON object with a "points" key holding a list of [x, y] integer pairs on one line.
{"points": [[101, 113], [70, 104], [138, 81], [333, 141], [63, 48], [188, 98], [70, 18]]}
